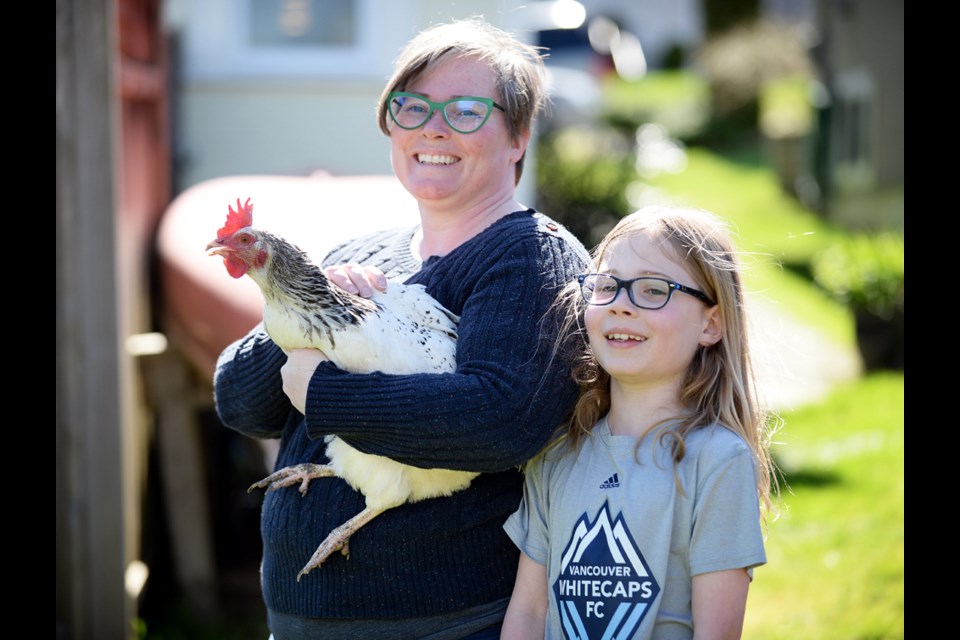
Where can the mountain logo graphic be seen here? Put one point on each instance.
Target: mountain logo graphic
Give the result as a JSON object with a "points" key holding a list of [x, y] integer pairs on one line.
{"points": [[605, 588]]}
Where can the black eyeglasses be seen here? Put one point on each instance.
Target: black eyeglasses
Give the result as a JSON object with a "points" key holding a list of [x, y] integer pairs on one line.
{"points": [[646, 293], [464, 115]]}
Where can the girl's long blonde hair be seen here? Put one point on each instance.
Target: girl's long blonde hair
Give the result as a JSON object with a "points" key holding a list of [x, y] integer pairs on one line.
{"points": [[720, 385]]}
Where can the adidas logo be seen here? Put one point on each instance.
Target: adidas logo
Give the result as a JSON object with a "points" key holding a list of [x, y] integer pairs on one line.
{"points": [[611, 483]]}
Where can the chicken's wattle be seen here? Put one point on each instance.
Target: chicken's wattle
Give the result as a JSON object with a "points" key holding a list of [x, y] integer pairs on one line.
{"points": [[235, 266]]}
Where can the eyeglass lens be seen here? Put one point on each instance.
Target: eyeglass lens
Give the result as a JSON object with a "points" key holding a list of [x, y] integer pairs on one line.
{"points": [[649, 293], [464, 115]]}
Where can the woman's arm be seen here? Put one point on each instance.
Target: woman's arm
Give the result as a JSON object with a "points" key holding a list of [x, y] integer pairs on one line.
{"points": [[719, 604], [501, 404], [527, 612], [247, 387]]}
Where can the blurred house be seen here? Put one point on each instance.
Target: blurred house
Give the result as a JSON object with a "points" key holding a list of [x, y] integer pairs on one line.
{"points": [[291, 87], [861, 163]]}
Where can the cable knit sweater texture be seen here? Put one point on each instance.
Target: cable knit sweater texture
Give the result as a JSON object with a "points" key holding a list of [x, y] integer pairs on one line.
{"points": [[495, 412]]}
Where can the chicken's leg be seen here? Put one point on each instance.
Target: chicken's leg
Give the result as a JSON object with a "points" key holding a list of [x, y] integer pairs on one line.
{"points": [[339, 538], [288, 476]]}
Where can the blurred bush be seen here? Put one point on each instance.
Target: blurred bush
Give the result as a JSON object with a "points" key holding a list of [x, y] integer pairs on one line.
{"points": [[787, 107], [865, 271], [582, 175], [740, 62], [584, 172], [678, 100]]}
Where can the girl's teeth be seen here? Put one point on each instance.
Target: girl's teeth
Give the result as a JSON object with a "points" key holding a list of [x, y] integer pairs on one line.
{"points": [[623, 336]]}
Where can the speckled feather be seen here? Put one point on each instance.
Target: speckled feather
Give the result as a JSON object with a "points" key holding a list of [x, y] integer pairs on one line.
{"points": [[402, 330]]}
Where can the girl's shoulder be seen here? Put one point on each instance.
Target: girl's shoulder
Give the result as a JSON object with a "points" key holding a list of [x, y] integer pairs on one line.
{"points": [[561, 458], [715, 442]]}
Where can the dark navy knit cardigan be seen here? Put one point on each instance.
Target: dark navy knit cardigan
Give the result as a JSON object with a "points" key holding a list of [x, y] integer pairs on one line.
{"points": [[496, 411]]}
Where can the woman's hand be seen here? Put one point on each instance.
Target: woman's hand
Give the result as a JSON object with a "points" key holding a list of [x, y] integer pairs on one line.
{"points": [[357, 279], [296, 374]]}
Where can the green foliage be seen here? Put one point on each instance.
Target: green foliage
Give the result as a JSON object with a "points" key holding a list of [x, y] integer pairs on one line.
{"points": [[741, 61], [721, 15], [864, 271], [585, 173], [836, 554], [787, 107], [677, 100], [674, 58], [582, 173]]}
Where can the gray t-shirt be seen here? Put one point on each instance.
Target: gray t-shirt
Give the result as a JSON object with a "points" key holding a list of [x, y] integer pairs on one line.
{"points": [[621, 543]]}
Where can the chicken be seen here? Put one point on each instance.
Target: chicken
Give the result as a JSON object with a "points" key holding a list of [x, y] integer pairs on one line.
{"points": [[403, 330]]}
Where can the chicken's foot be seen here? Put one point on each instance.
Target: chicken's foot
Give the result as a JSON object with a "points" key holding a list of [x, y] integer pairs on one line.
{"points": [[339, 538], [289, 476]]}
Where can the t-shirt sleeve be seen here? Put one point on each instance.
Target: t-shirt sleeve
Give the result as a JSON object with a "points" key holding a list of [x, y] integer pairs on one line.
{"points": [[527, 526], [727, 533]]}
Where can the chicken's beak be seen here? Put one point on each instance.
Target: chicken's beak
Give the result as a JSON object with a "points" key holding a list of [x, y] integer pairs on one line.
{"points": [[217, 249]]}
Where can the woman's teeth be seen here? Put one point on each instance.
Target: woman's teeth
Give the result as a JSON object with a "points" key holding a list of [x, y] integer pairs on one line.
{"points": [[425, 158]]}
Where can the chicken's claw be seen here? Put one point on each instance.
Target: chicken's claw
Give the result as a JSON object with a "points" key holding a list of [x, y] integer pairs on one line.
{"points": [[339, 538], [289, 476], [324, 551]]}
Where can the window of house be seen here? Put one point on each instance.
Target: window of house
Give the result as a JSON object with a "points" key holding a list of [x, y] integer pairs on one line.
{"points": [[853, 157], [245, 40], [315, 23]]}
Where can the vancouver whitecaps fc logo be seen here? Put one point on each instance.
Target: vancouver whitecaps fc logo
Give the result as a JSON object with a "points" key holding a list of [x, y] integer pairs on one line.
{"points": [[605, 588]]}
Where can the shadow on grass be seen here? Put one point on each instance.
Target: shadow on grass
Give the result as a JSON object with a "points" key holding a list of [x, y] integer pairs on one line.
{"points": [[811, 478]]}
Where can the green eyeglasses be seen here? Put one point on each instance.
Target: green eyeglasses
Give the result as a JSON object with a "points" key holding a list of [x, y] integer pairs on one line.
{"points": [[464, 115]]}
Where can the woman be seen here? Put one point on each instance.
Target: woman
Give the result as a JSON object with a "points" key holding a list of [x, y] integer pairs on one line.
{"points": [[459, 111]]}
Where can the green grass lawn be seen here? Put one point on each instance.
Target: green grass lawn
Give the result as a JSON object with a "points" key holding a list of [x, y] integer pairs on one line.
{"points": [[835, 555]]}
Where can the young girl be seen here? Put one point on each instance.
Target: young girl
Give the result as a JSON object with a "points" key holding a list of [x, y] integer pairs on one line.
{"points": [[644, 519]]}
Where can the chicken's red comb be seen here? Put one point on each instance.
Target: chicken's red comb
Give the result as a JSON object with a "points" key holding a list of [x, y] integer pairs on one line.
{"points": [[242, 217]]}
